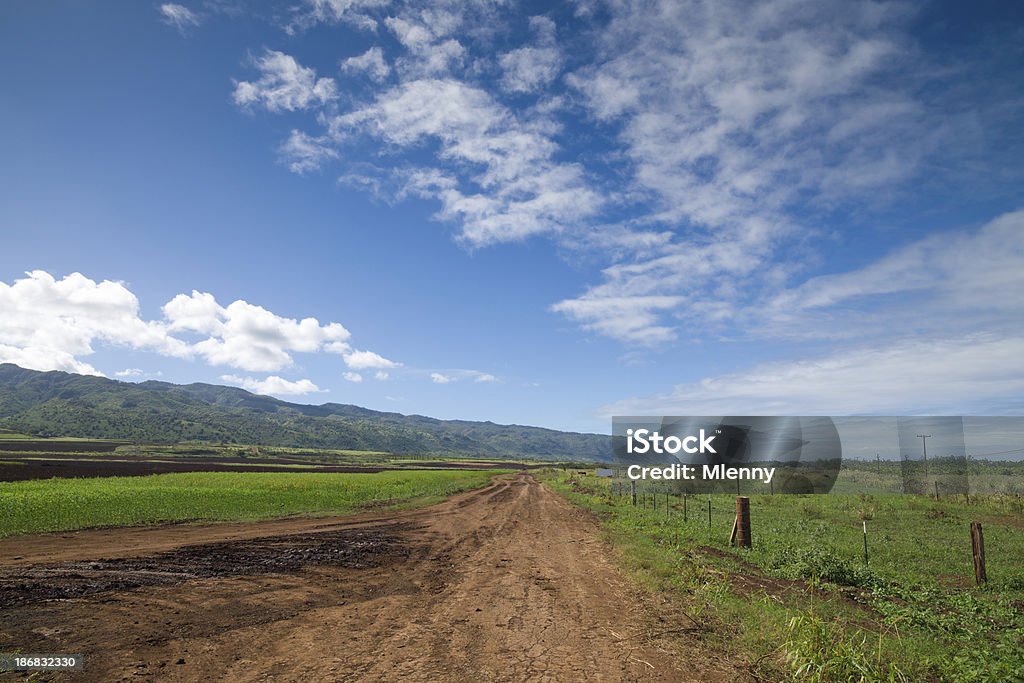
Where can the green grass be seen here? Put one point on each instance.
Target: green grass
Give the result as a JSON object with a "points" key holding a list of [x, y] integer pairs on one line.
{"points": [[66, 504], [10, 436], [912, 614]]}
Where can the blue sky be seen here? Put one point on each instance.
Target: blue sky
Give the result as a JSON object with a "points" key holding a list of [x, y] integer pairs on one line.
{"points": [[522, 212]]}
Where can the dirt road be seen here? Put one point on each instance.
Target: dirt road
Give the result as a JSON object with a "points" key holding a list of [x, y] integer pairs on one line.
{"points": [[508, 583]]}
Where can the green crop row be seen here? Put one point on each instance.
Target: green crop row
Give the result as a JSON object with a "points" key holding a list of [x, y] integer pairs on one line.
{"points": [[65, 504]]}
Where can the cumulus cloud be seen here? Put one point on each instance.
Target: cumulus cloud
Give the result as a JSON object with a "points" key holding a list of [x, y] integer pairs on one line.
{"points": [[353, 377], [49, 324], [284, 85], [367, 360], [273, 385], [440, 378], [381, 375], [247, 336], [179, 16]]}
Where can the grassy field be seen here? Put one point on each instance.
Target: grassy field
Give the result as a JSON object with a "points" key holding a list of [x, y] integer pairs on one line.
{"points": [[65, 504], [803, 604]]}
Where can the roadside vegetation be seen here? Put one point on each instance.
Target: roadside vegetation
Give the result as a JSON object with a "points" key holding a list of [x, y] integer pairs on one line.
{"points": [[803, 603]]}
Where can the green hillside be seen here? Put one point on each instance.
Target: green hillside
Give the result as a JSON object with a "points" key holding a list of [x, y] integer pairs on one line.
{"points": [[68, 405]]}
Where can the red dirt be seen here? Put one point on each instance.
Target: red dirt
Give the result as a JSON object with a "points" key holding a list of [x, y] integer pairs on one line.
{"points": [[507, 583]]}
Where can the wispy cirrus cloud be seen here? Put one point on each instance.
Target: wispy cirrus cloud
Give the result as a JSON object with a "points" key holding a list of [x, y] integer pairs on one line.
{"points": [[731, 115], [460, 375], [718, 140], [975, 374], [933, 327], [179, 16], [504, 184]]}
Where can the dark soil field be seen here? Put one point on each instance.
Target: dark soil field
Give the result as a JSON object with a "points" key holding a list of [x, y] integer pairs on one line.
{"points": [[71, 466], [55, 446]]}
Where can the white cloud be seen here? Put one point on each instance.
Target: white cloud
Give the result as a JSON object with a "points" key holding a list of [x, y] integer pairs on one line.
{"points": [[381, 375], [510, 186], [726, 133], [129, 372], [49, 323], [273, 385], [449, 376], [304, 153], [627, 318], [284, 85], [430, 51], [371, 63], [728, 114], [353, 377], [179, 16], [249, 337], [528, 69], [353, 12], [366, 360], [963, 273], [973, 374]]}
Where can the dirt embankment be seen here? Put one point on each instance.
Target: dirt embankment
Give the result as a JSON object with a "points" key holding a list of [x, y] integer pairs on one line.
{"points": [[509, 583]]}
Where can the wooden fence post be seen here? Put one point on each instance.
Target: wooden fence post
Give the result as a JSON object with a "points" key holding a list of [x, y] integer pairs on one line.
{"points": [[632, 491], [743, 521], [978, 550]]}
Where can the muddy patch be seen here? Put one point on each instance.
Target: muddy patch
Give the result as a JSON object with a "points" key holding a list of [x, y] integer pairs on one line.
{"points": [[352, 549]]}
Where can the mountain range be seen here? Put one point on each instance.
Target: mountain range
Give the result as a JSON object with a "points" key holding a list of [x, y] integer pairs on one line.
{"points": [[70, 405]]}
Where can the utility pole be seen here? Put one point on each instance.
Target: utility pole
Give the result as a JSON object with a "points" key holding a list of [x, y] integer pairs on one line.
{"points": [[924, 446]]}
